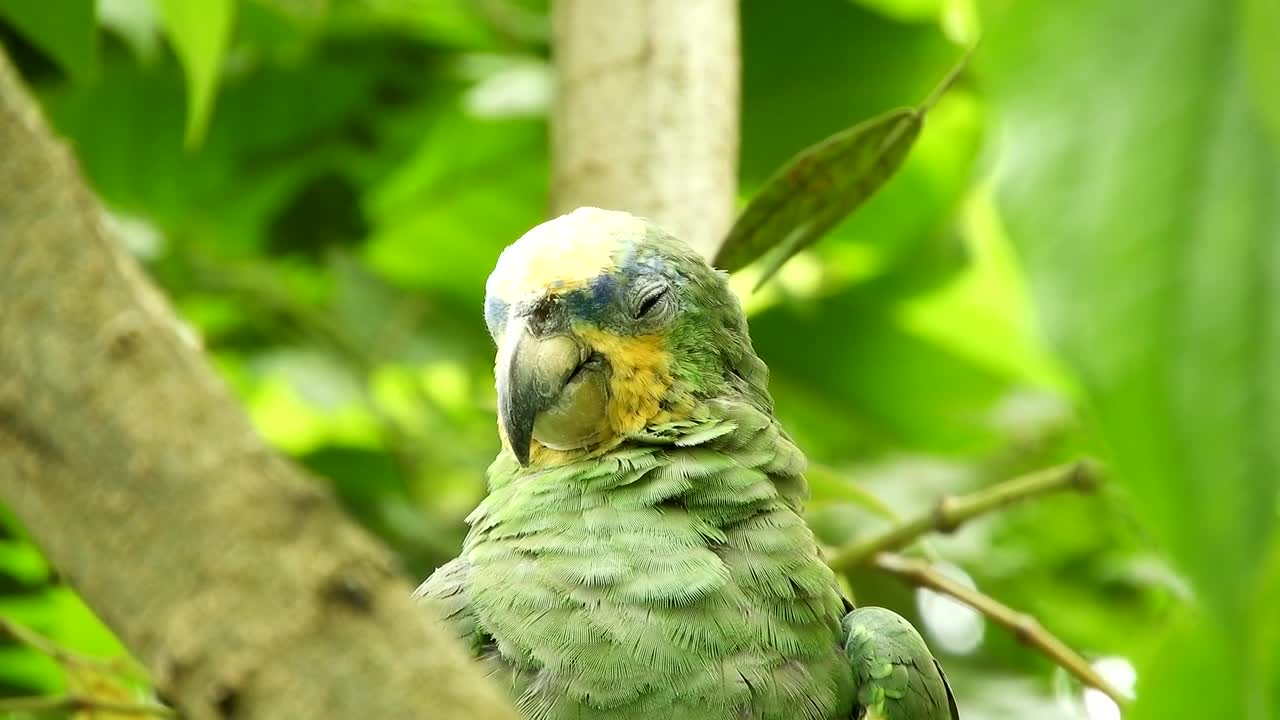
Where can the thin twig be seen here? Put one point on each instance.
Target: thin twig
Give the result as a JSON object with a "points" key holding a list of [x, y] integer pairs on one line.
{"points": [[1024, 627], [64, 656], [80, 703], [948, 80], [950, 512]]}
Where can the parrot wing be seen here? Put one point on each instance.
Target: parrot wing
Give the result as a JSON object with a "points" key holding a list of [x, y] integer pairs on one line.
{"points": [[895, 675], [445, 592]]}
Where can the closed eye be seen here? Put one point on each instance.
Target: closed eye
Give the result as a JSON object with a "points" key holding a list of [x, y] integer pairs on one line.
{"points": [[650, 302]]}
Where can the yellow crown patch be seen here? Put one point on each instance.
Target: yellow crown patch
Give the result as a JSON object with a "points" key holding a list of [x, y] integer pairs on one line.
{"points": [[564, 254]]}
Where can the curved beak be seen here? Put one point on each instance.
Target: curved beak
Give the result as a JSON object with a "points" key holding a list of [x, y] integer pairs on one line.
{"points": [[531, 373]]}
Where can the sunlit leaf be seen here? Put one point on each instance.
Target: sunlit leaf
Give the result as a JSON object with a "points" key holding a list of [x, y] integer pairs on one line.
{"points": [[200, 31], [910, 10], [22, 562], [27, 669], [65, 29], [293, 423], [60, 615], [452, 23]]}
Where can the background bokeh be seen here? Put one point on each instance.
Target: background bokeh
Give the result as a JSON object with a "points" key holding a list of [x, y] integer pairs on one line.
{"points": [[1080, 257]]}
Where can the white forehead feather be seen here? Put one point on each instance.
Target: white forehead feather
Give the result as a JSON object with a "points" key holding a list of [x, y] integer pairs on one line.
{"points": [[564, 253]]}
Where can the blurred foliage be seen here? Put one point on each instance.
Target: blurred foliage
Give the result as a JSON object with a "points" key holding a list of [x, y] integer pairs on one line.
{"points": [[199, 33], [1164, 215], [1079, 255], [63, 30]]}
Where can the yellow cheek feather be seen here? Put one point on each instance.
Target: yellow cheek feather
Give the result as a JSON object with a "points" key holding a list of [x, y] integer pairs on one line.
{"points": [[640, 375]]}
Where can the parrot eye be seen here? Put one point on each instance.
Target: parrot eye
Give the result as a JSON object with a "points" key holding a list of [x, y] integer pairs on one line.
{"points": [[651, 300]]}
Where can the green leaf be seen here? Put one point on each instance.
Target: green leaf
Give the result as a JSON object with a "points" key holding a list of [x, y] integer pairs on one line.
{"points": [[200, 31], [60, 615], [1147, 209], [27, 670], [817, 189], [822, 184], [21, 561], [65, 29]]}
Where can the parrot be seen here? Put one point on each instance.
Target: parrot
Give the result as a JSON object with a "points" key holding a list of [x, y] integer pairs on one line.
{"points": [[641, 551]]}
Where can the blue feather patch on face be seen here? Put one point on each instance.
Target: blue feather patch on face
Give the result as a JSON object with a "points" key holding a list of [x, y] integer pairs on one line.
{"points": [[592, 302], [645, 262], [495, 315], [603, 291]]}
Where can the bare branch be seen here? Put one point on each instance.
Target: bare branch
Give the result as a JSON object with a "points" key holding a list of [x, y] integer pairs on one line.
{"points": [[1026, 628], [950, 512]]}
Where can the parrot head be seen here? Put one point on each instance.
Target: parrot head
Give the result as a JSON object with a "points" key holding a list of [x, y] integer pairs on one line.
{"points": [[606, 324]]}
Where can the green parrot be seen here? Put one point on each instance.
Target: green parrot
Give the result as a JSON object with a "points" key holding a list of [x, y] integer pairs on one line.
{"points": [[641, 552]]}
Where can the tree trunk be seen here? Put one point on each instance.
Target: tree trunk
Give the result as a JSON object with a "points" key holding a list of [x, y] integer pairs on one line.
{"points": [[233, 577], [646, 113]]}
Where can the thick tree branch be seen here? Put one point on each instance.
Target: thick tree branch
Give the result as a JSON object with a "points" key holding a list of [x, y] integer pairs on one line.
{"points": [[236, 580], [950, 512], [646, 113], [1024, 627]]}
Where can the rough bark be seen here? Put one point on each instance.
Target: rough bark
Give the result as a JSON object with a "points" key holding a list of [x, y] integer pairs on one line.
{"points": [[646, 112], [233, 577]]}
